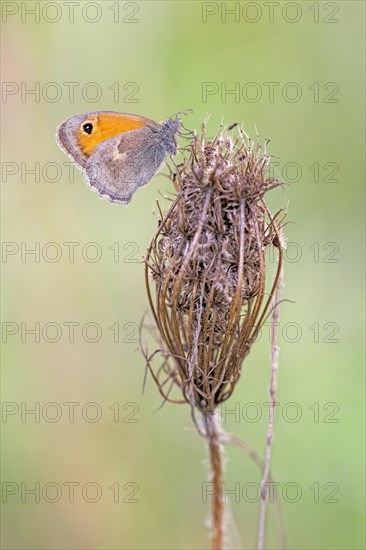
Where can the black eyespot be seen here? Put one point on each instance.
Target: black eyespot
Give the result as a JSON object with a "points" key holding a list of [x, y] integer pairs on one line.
{"points": [[88, 128]]}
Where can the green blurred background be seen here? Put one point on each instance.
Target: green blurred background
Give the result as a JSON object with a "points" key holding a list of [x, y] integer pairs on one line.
{"points": [[158, 57]]}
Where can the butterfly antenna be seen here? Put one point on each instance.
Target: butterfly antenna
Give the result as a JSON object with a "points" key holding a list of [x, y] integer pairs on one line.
{"points": [[185, 112]]}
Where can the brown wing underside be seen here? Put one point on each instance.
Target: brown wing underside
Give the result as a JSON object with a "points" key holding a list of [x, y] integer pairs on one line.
{"points": [[106, 124]]}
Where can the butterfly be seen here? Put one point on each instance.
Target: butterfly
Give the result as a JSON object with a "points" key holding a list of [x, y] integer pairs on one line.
{"points": [[117, 152]]}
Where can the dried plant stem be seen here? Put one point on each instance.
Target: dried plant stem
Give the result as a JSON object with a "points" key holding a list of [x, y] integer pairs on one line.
{"points": [[213, 438], [231, 439], [273, 402]]}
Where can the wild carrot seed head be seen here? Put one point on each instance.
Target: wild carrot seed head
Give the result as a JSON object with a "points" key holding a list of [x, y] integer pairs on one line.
{"points": [[206, 268]]}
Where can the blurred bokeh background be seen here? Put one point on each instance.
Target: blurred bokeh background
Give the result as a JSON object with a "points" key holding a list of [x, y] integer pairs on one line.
{"points": [[294, 71]]}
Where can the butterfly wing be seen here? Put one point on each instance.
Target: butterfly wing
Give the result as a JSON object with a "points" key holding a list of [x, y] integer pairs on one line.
{"points": [[80, 135], [122, 164]]}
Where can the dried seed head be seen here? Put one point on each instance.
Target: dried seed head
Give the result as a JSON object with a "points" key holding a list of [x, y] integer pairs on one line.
{"points": [[206, 270]]}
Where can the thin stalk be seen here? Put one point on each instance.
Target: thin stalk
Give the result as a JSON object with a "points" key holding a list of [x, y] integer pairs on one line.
{"points": [[273, 402], [213, 439]]}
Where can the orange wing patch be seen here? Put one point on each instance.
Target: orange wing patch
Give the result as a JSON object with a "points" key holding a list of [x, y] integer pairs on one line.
{"points": [[105, 126]]}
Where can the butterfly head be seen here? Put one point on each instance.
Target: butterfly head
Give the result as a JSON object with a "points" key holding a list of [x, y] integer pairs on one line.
{"points": [[168, 133]]}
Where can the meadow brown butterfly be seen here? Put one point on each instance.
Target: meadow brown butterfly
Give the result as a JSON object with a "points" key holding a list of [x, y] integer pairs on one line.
{"points": [[117, 152]]}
